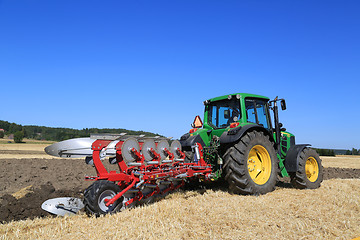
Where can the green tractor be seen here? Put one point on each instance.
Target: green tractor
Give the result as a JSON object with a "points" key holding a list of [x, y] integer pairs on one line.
{"points": [[247, 149]]}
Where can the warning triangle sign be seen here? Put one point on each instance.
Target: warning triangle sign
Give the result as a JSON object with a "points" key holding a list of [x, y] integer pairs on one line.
{"points": [[197, 122]]}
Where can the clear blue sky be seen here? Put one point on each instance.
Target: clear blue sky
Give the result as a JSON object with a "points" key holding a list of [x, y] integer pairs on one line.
{"points": [[148, 65]]}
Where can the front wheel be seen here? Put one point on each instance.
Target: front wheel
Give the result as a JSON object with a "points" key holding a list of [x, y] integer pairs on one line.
{"points": [[310, 171], [95, 196]]}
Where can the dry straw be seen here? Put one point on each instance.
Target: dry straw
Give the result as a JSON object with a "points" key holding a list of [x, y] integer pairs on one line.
{"points": [[341, 161], [330, 212]]}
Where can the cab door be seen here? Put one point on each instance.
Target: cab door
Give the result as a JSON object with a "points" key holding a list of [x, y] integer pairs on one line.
{"points": [[222, 113], [257, 112]]}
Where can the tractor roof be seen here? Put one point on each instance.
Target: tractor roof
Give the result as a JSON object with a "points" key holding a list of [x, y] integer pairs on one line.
{"points": [[243, 95]]}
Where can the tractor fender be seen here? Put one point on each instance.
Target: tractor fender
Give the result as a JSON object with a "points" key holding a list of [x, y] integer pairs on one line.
{"points": [[234, 134], [292, 157], [187, 140]]}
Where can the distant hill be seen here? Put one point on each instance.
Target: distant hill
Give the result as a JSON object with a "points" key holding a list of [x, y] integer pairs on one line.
{"points": [[60, 134]]}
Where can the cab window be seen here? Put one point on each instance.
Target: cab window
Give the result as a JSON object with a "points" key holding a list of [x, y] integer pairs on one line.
{"points": [[224, 112], [256, 112]]}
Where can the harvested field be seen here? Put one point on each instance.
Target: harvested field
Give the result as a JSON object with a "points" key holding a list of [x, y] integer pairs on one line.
{"points": [[341, 161], [25, 141], [22, 150], [330, 212]]}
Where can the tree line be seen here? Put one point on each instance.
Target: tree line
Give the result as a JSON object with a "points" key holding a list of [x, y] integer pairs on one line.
{"points": [[325, 152], [59, 134], [353, 151], [333, 152]]}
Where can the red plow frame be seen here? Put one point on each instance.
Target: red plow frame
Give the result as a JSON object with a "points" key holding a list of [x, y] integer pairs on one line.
{"points": [[159, 176]]}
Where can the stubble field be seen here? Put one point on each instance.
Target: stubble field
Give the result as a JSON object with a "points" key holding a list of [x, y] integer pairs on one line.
{"points": [[29, 177]]}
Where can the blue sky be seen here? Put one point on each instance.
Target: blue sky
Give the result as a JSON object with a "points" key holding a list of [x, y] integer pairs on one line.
{"points": [[149, 65]]}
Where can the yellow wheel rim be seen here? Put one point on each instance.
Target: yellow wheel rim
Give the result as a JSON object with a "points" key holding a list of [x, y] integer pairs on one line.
{"points": [[312, 169], [259, 164]]}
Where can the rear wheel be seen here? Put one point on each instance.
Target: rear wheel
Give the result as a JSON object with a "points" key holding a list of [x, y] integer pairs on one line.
{"points": [[251, 164], [95, 196], [310, 170]]}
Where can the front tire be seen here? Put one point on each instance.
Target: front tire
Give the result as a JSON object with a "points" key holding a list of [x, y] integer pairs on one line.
{"points": [[310, 171], [251, 165], [95, 195]]}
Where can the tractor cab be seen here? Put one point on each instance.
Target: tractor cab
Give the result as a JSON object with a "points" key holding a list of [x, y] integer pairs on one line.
{"points": [[231, 116], [241, 110], [233, 111]]}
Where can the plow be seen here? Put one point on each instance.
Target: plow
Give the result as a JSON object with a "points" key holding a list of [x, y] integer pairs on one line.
{"points": [[148, 168], [237, 142]]}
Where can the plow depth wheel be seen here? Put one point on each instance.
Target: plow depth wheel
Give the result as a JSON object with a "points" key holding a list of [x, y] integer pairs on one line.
{"points": [[95, 197], [310, 170], [105, 195], [251, 165]]}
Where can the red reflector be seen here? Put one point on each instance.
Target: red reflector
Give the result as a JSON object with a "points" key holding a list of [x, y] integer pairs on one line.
{"points": [[234, 125], [193, 130]]}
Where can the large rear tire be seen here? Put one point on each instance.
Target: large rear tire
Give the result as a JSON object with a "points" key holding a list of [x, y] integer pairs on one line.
{"points": [[310, 171], [95, 195], [251, 165]]}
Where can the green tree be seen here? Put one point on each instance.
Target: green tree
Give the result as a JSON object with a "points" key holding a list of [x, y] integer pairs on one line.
{"points": [[2, 134], [14, 128], [354, 151], [25, 132], [332, 152], [358, 152], [18, 136]]}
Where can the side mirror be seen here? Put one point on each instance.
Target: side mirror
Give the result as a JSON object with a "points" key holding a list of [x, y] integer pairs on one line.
{"points": [[281, 127], [227, 114], [197, 122], [283, 104]]}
